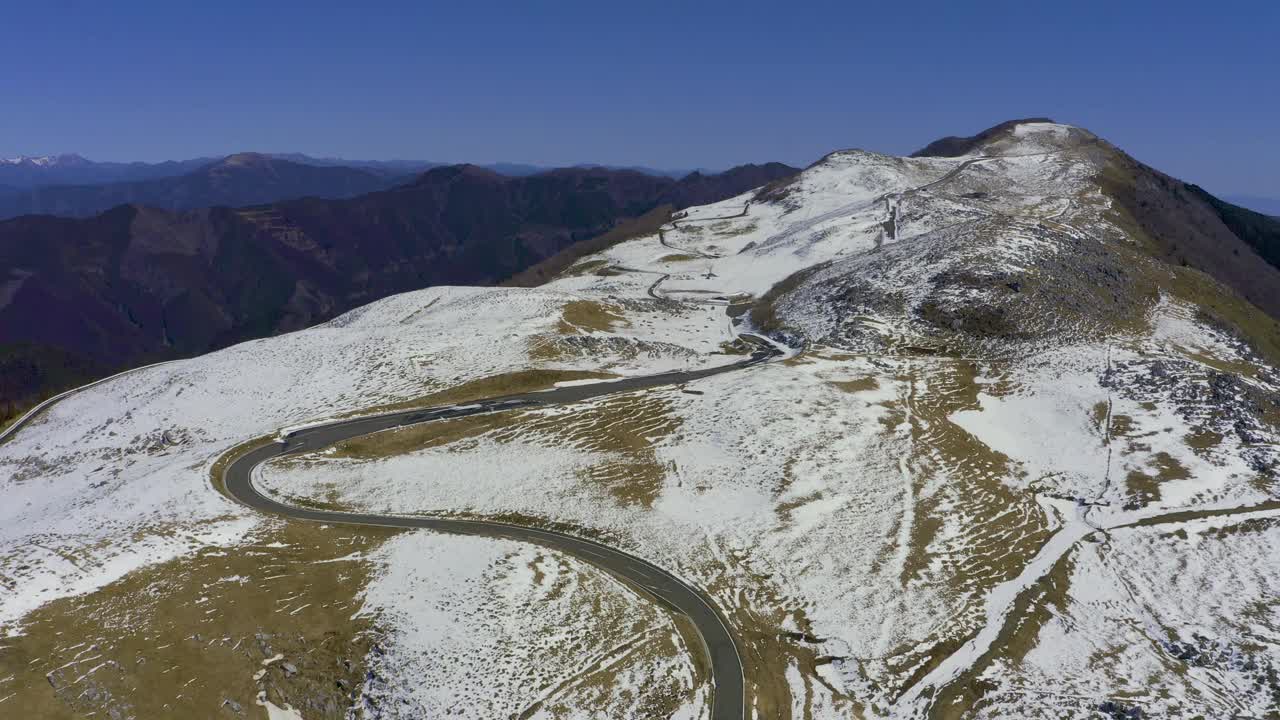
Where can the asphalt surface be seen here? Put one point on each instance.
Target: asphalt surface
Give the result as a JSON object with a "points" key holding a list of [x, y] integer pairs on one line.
{"points": [[721, 646]]}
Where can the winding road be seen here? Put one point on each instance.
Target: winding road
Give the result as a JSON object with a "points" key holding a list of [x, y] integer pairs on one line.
{"points": [[721, 645], [675, 225], [34, 412]]}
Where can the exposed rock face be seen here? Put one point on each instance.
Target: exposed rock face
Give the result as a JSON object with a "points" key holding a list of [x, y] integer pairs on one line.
{"points": [[988, 285], [1008, 265]]}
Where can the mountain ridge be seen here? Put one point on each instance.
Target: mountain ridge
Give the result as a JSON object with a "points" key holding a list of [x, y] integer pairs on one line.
{"points": [[239, 179], [136, 283], [28, 172]]}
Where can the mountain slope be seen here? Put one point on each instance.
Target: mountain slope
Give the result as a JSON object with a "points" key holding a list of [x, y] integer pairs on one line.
{"points": [[243, 179], [137, 283], [1187, 227], [1020, 461], [1260, 232], [1179, 223]]}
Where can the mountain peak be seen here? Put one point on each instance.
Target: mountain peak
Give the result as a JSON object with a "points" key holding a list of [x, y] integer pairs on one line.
{"points": [[463, 170], [957, 146], [247, 159]]}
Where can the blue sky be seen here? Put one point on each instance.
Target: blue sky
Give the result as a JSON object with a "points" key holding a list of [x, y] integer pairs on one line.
{"points": [[1193, 89]]}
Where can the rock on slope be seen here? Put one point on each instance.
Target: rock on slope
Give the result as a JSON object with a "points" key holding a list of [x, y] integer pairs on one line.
{"points": [[1024, 468]]}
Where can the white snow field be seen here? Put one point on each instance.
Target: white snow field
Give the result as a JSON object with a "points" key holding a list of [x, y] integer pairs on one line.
{"points": [[920, 512], [505, 629]]}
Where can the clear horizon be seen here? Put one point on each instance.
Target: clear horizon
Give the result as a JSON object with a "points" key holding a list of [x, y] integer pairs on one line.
{"points": [[712, 86]]}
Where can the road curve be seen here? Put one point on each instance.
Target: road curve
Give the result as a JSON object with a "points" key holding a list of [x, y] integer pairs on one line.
{"points": [[721, 645], [675, 225]]}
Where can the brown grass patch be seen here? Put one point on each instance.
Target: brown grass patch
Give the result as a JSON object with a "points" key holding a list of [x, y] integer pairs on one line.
{"points": [[182, 638], [1223, 306], [512, 383], [1121, 426], [1145, 486], [995, 508], [1202, 439], [584, 267], [768, 651], [413, 438], [728, 232], [623, 429], [855, 386], [1031, 611], [1005, 527], [578, 315], [1100, 414]]}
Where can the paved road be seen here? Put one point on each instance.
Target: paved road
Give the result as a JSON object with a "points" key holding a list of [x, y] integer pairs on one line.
{"points": [[675, 225], [720, 643]]}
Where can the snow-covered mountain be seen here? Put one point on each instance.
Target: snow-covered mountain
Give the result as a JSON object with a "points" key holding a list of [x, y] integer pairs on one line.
{"points": [[45, 161], [1019, 462]]}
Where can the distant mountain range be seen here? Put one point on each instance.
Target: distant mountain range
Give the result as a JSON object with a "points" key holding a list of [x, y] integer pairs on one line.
{"points": [[1264, 205], [70, 186], [26, 172], [71, 169], [243, 179], [502, 168], [82, 297]]}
